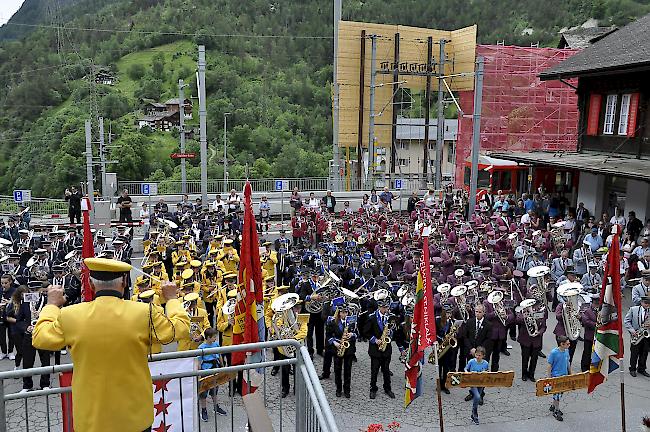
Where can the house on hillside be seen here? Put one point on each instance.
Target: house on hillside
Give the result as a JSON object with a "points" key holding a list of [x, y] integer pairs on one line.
{"points": [[581, 38], [613, 155], [163, 121], [105, 76], [173, 105], [153, 108]]}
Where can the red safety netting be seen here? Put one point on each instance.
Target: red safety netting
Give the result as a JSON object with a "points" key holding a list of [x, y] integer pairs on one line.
{"points": [[519, 112]]}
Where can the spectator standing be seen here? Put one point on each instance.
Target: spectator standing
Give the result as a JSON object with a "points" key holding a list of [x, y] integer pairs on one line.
{"points": [[329, 201], [144, 217], [295, 201], [124, 203], [73, 197]]}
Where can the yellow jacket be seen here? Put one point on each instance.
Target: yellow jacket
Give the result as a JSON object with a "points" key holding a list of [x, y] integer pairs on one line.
{"points": [[177, 255], [108, 340], [231, 265], [223, 325], [185, 342], [270, 263]]}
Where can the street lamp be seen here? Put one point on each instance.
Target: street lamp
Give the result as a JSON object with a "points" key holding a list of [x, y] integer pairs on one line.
{"points": [[225, 146]]}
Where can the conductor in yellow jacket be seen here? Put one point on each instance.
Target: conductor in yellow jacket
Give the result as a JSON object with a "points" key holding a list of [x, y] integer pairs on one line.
{"points": [[108, 339]]}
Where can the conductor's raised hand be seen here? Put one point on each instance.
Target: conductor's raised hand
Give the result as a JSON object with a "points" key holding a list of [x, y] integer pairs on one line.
{"points": [[169, 290], [55, 295]]}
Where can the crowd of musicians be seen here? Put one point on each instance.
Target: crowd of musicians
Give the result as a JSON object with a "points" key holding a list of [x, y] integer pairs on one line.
{"points": [[343, 276]]}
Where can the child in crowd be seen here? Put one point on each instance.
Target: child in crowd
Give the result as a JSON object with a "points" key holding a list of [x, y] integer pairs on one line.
{"points": [[210, 361], [559, 365], [477, 364]]}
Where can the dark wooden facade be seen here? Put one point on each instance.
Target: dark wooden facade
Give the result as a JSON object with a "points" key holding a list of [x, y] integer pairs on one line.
{"points": [[618, 83]]}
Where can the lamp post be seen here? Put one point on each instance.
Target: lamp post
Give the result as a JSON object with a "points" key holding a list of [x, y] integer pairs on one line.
{"points": [[225, 146]]}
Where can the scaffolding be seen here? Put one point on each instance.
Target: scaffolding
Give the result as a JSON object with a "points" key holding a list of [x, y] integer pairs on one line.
{"points": [[519, 112]]}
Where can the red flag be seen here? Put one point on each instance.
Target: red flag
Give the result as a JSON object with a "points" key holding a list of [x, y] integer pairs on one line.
{"points": [[246, 327], [423, 327], [88, 251]]}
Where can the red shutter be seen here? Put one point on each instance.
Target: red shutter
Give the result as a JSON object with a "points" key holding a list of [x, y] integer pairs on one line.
{"points": [[632, 116], [593, 113]]}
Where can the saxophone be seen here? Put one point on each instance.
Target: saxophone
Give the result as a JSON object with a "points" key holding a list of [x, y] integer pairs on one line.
{"points": [[385, 336], [344, 344], [644, 331], [448, 342]]}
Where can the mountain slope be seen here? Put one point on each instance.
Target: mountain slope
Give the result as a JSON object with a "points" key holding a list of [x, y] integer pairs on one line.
{"points": [[269, 64]]}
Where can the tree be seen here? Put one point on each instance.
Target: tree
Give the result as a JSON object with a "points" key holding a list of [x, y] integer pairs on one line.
{"points": [[136, 71], [114, 106], [149, 89]]}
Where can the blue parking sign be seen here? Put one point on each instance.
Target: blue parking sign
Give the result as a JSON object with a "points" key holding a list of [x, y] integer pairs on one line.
{"points": [[145, 189], [398, 184], [18, 196], [278, 185]]}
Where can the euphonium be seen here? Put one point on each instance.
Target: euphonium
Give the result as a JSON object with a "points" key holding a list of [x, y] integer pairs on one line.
{"points": [[571, 310], [528, 313], [345, 343], [496, 300]]}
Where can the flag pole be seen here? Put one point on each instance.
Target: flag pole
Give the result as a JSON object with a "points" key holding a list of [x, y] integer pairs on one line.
{"points": [[438, 387], [622, 376]]}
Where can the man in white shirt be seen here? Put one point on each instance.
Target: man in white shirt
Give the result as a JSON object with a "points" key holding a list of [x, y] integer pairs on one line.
{"points": [[644, 262], [642, 248], [525, 218], [619, 219], [641, 290], [218, 203]]}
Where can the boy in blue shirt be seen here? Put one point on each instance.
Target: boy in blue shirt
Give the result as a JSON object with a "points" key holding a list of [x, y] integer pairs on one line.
{"points": [[210, 361], [558, 365], [477, 364]]}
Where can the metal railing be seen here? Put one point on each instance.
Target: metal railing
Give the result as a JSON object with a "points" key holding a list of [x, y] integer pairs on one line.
{"points": [[174, 187], [37, 206], [312, 410]]}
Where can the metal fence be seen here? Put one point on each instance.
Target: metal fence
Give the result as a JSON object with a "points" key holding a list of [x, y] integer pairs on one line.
{"points": [[37, 206], [174, 187], [312, 410]]}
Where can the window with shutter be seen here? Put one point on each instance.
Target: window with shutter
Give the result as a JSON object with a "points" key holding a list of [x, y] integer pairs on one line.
{"points": [[610, 115], [625, 112]]}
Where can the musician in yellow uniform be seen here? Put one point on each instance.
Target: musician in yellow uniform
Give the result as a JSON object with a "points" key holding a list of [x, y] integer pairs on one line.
{"points": [[229, 257], [300, 336], [226, 321], [269, 260], [151, 283], [159, 271], [198, 323], [180, 253], [268, 318], [216, 245], [211, 279], [108, 341]]}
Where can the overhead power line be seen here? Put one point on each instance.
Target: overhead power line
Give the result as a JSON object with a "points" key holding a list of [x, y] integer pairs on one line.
{"points": [[169, 33]]}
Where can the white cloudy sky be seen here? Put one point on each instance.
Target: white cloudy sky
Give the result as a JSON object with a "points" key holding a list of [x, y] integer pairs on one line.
{"points": [[8, 8]]}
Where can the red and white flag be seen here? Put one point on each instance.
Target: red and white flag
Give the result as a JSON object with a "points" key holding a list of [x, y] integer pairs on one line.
{"points": [[173, 413], [87, 251]]}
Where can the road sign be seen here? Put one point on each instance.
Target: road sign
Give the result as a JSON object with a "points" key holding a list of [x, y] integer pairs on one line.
{"points": [[182, 155], [399, 184], [22, 195], [149, 188], [281, 185]]}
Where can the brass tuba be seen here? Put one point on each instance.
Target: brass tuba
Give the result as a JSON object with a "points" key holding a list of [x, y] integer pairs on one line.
{"points": [[495, 298], [571, 309]]}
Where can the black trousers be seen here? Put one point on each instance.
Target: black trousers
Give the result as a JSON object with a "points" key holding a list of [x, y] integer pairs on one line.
{"points": [[6, 341], [512, 331], [209, 307], [447, 364], [284, 374], [343, 364], [18, 342], [529, 356], [639, 355], [126, 215], [315, 330], [572, 350], [377, 363], [75, 214], [494, 353], [585, 361], [29, 357], [327, 362]]}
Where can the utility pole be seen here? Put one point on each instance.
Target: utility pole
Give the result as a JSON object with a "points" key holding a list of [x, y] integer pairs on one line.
{"points": [[203, 127], [89, 166], [476, 134], [336, 174], [225, 154], [102, 156], [440, 126], [181, 112], [371, 124]]}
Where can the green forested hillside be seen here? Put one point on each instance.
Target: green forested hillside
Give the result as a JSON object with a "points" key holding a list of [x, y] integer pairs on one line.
{"points": [[269, 64]]}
